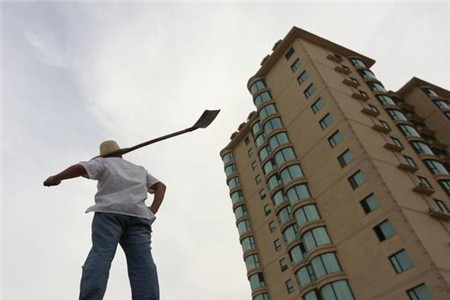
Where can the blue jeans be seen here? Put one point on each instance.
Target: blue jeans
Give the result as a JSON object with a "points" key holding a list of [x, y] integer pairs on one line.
{"points": [[134, 236]]}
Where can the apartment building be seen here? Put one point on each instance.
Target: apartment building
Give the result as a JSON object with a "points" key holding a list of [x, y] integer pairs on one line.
{"points": [[340, 187]]}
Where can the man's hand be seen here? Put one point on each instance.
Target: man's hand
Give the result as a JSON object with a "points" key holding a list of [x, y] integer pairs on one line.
{"points": [[51, 181]]}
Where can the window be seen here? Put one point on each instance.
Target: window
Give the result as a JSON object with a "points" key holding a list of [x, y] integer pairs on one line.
{"points": [[315, 237], [298, 192], [385, 100], [302, 78], [338, 290], [269, 166], [376, 87], [311, 89], [401, 261], [291, 173], [248, 243], [267, 111], [430, 92], [273, 124], [305, 275], [284, 215], [385, 124], [264, 153], [233, 182], [252, 261], [284, 155], [272, 226], [278, 139], [442, 104], [278, 198], [240, 211], [261, 98], [267, 209], [257, 86], [263, 296], [256, 128], [227, 158], [257, 281], [374, 109], [297, 253], [273, 182], [345, 158], [447, 115], [370, 203], [436, 167], [289, 286], [424, 182], [237, 196], [290, 234], [306, 214], [419, 292], [395, 114], [325, 264], [243, 227], [366, 73], [317, 105], [408, 130], [396, 141], [258, 179], [311, 295], [410, 161], [247, 140], [283, 265], [384, 230], [296, 65], [357, 179], [335, 139], [358, 63], [289, 53], [421, 148], [326, 121], [277, 245], [231, 169], [442, 206], [262, 194], [260, 139], [445, 184], [250, 152]]}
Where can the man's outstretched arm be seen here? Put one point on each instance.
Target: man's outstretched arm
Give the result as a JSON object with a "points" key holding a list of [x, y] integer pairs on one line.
{"points": [[71, 172], [160, 190]]}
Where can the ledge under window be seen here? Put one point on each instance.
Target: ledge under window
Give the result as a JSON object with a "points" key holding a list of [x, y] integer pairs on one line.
{"points": [[393, 147], [407, 167], [423, 189], [438, 214]]}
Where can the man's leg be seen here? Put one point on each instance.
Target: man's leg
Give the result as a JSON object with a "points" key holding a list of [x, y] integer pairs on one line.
{"points": [[106, 232], [141, 268]]}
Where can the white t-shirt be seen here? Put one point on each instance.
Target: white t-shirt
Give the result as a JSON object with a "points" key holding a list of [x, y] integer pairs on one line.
{"points": [[122, 186]]}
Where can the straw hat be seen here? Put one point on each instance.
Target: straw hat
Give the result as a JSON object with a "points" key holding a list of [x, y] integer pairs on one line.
{"points": [[108, 147]]}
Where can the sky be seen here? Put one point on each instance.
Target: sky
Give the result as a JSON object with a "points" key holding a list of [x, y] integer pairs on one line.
{"points": [[77, 73]]}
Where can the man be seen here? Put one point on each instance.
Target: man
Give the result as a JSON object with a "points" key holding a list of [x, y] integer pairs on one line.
{"points": [[121, 217]]}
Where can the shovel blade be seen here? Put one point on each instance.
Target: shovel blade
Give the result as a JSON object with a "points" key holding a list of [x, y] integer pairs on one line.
{"points": [[206, 118]]}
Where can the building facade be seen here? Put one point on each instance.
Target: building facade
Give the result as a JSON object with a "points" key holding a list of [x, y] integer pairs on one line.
{"points": [[340, 188]]}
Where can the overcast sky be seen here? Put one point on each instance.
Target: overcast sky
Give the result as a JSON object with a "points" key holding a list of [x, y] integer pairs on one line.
{"points": [[75, 74]]}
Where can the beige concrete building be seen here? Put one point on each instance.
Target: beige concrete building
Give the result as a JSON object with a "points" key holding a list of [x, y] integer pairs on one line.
{"points": [[340, 188]]}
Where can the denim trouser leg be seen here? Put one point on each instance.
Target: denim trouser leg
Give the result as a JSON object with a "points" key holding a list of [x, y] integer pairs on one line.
{"points": [[134, 235]]}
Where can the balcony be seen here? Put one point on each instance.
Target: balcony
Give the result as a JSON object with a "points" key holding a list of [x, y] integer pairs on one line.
{"points": [[437, 214]]}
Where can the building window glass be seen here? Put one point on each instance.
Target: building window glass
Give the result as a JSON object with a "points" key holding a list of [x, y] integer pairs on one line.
{"points": [[335, 139], [272, 226], [267, 111], [376, 87], [258, 179], [273, 182], [244, 227], [442, 104], [240, 211], [254, 165], [297, 254], [384, 230], [277, 245], [311, 295], [447, 115], [296, 65], [317, 105], [436, 167], [289, 53], [269, 166], [291, 173], [256, 128], [267, 209], [278, 198], [262, 194], [233, 182], [227, 158], [408, 130], [397, 142], [366, 73], [401, 261], [325, 264], [283, 264], [250, 152], [305, 275], [421, 148], [298, 192], [264, 153], [302, 78], [263, 296], [278, 139], [357, 179], [257, 86], [237, 196], [310, 90], [231, 169], [445, 184], [396, 115], [326, 121], [385, 100], [345, 158], [442, 206], [260, 140], [430, 93], [290, 234], [385, 124], [419, 292], [252, 262], [358, 63], [284, 155], [257, 281], [261, 98], [272, 124], [289, 286], [338, 290], [369, 203], [424, 182], [306, 214], [315, 237], [248, 243], [410, 161], [284, 215]]}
